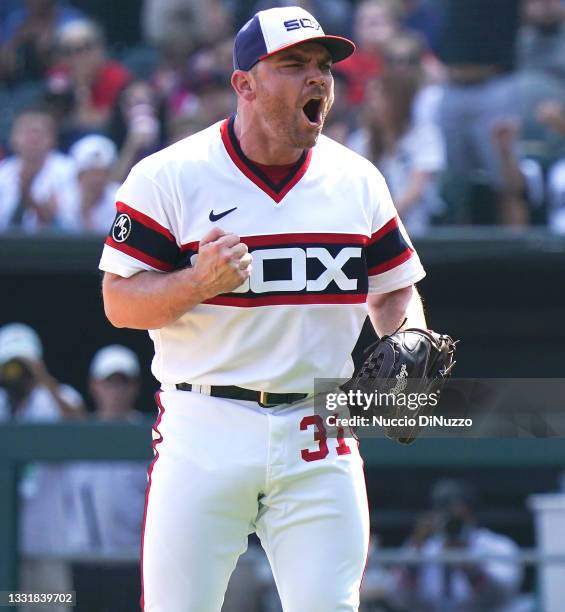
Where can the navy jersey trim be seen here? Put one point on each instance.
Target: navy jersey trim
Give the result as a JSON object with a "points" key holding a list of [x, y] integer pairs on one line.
{"points": [[145, 239], [387, 249]]}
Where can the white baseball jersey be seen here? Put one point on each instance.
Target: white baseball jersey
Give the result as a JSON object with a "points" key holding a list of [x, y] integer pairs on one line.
{"points": [[321, 240]]}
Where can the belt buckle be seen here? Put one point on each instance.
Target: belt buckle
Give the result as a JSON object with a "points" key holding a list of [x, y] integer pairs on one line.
{"points": [[263, 400]]}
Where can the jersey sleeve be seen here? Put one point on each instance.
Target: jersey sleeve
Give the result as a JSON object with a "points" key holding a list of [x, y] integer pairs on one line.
{"points": [[141, 236], [392, 262]]}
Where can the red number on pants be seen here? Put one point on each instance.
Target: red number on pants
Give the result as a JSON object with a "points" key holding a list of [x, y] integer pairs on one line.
{"points": [[321, 437], [342, 448]]}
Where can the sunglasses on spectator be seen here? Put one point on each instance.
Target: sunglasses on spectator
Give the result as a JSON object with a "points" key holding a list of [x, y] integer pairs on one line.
{"points": [[79, 48]]}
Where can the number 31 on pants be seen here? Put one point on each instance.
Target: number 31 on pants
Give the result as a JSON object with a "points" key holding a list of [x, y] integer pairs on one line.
{"points": [[321, 437]]}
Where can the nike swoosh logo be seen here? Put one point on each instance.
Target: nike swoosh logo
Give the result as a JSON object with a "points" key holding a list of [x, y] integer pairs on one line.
{"points": [[214, 217]]}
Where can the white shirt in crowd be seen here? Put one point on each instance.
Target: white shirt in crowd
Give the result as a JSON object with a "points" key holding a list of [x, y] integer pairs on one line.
{"points": [[101, 216], [43, 490], [51, 182], [497, 586], [106, 506]]}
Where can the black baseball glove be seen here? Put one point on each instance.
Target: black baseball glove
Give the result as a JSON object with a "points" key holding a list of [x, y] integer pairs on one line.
{"points": [[410, 361]]}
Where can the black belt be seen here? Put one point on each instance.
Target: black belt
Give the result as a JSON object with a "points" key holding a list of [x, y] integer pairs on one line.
{"points": [[263, 398]]}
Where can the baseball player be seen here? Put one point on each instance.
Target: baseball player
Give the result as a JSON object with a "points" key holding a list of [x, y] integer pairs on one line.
{"points": [[252, 252]]}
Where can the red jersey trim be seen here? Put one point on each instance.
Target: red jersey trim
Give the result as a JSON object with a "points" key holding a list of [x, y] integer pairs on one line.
{"points": [[147, 221], [284, 300], [278, 239], [139, 255], [384, 230], [154, 444], [248, 171], [391, 263]]}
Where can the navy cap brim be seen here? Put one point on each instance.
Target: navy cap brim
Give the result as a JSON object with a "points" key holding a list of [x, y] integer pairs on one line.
{"points": [[339, 47]]}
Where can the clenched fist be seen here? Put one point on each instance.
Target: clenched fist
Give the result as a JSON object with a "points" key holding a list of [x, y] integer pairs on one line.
{"points": [[223, 263]]}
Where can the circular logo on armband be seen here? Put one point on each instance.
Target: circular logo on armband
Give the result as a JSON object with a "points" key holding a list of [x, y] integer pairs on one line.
{"points": [[122, 228]]}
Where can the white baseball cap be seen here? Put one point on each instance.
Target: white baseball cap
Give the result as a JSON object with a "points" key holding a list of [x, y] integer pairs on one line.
{"points": [[93, 151], [18, 340], [273, 30], [114, 359]]}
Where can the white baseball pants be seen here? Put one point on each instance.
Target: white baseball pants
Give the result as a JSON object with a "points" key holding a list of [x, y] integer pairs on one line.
{"points": [[226, 468]]}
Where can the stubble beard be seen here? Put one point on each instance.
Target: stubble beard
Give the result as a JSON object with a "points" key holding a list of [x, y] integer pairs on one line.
{"points": [[286, 125]]}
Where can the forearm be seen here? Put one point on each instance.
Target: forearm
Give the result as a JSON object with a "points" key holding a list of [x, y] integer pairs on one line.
{"points": [[387, 311], [150, 300], [68, 410]]}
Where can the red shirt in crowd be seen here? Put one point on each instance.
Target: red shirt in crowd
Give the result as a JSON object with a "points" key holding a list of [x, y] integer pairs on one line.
{"points": [[358, 69], [110, 80]]}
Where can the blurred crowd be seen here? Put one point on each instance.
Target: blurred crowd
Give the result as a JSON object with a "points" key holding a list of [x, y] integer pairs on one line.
{"points": [[80, 523], [75, 508], [461, 105]]}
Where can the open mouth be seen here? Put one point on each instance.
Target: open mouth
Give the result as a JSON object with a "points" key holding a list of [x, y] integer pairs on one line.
{"points": [[313, 110]]}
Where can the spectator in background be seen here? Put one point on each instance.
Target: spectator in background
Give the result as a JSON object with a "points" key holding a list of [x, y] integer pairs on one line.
{"points": [[216, 98], [410, 155], [85, 84], [375, 24], [167, 21], [90, 205], [526, 181], [107, 498], [472, 586], [35, 178], [29, 394], [405, 56], [178, 28], [541, 61], [138, 125], [478, 48], [27, 38]]}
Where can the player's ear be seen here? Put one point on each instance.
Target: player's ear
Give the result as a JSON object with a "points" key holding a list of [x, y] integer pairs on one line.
{"points": [[244, 84]]}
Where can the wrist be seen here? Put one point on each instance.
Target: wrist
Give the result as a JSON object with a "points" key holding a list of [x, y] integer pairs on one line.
{"points": [[198, 289]]}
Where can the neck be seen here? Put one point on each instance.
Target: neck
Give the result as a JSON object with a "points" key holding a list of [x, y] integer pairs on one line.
{"points": [[259, 145]]}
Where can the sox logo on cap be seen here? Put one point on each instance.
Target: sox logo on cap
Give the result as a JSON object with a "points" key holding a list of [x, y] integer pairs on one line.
{"points": [[273, 30]]}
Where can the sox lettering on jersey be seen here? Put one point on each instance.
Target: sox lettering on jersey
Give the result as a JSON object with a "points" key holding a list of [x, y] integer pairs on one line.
{"points": [[298, 280]]}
